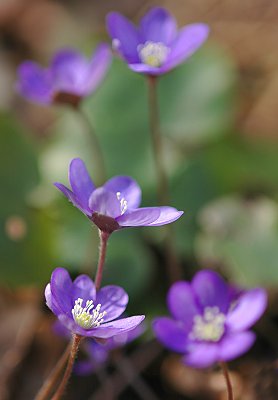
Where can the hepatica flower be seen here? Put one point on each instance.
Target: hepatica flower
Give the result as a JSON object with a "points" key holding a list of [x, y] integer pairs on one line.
{"points": [[210, 320], [68, 79], [156, 46], [85, 312], [115, 204]]}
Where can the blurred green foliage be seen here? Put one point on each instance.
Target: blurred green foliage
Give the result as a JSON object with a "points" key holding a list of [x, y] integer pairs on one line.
{"points": [[206, 160]]}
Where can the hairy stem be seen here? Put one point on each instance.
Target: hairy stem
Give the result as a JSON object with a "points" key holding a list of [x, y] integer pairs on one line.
{"points": [[163, 190], [48, 386], [74, 348], [103, 236], [227, 379], [96, 148], [174, 269]]}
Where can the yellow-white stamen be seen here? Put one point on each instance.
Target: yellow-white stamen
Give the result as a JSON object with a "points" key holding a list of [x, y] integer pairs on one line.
{"points": [[123, 202], [89, 316], [153, 53], [210, 326]]}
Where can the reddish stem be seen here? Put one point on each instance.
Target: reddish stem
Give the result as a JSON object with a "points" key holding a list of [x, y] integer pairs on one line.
{"points": [[227, 379], [103, 236]]}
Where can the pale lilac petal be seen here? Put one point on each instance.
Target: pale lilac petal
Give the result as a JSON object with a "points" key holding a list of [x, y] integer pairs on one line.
{"points": [[127, 188], [167, 215], [34, 83], [80, 181], [125, 36], [211, 290], [182, 303], [113, 300], [71, 196], [61, 287], [201, 355], [97, 68], [83, 287], [234, 345], [140, 217], [189, 39], [69, 70], [113, 328], [249, 308], [146, 69], [171, 333], [104, 202], [158, 25], [50, 301]]}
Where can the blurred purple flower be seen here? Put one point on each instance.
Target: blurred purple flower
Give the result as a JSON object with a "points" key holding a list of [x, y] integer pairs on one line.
{"points": [[85, 312], [97, 354], [156, 46], [210, 319], [68, 79], [115, 204]]}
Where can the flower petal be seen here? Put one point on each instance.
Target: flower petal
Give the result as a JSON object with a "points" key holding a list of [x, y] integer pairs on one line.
{"points": [[113, 328], [81, 182], [104, 202], [234, 345], [61, 289], [189, 39], [34, 83], [128, 189], [172, 334], [167, 215], [147, 69], [249, 308], [113, 300], [97, 67], [158, 25], [201, 355], [125, 36], [50, 301], [140, 217], [83, 287], [69, 71], [211, 290], [72, 198], [182, 304]]}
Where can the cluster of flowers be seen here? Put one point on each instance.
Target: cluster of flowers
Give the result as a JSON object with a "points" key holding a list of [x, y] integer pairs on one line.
{"points": [[210, 319]]}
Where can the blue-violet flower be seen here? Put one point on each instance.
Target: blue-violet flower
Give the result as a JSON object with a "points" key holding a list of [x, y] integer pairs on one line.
{"points": [[85, 312], [68, 79], [156, 46], [210, 319], [115, 204]]}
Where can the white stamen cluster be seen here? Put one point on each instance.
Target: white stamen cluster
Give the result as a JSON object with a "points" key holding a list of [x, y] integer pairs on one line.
{"points": [[210, 326], [123, 202], [152, 53], [87, 317]]}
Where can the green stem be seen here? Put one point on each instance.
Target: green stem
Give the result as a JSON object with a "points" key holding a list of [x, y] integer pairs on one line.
{"points": [[103, 237], [97, 151], [163, 190], [227, 379], [74, 348]]}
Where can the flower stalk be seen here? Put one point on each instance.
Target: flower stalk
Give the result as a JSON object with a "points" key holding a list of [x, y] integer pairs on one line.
{"points": [[227, 380], [103, 236], [76, 339], [95, 145]]}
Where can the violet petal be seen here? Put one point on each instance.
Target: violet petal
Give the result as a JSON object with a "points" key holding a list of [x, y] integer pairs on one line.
{"points": [[201, 355], [141, 217], [113, 328], [61, 287], [158, 25], [104, 202], [167, 215], [83, 287], [113, 300], [97, 67], [249, 308], [235, 344], [171, 333], [126, 188], [80, 181], [71, 196]]}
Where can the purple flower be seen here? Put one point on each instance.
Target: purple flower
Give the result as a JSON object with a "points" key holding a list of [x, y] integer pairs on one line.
{"points": [[156, 46], [210, 319], [68, 79], [85, 312], [115, 204]]}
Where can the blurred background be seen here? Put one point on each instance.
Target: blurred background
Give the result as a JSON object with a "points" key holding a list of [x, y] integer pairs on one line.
{"points": [[220, 127]]}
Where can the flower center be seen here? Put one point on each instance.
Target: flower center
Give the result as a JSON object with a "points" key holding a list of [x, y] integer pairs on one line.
{"points": [[89, 316], [152, 53], [123, 202], [210, 326]]}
